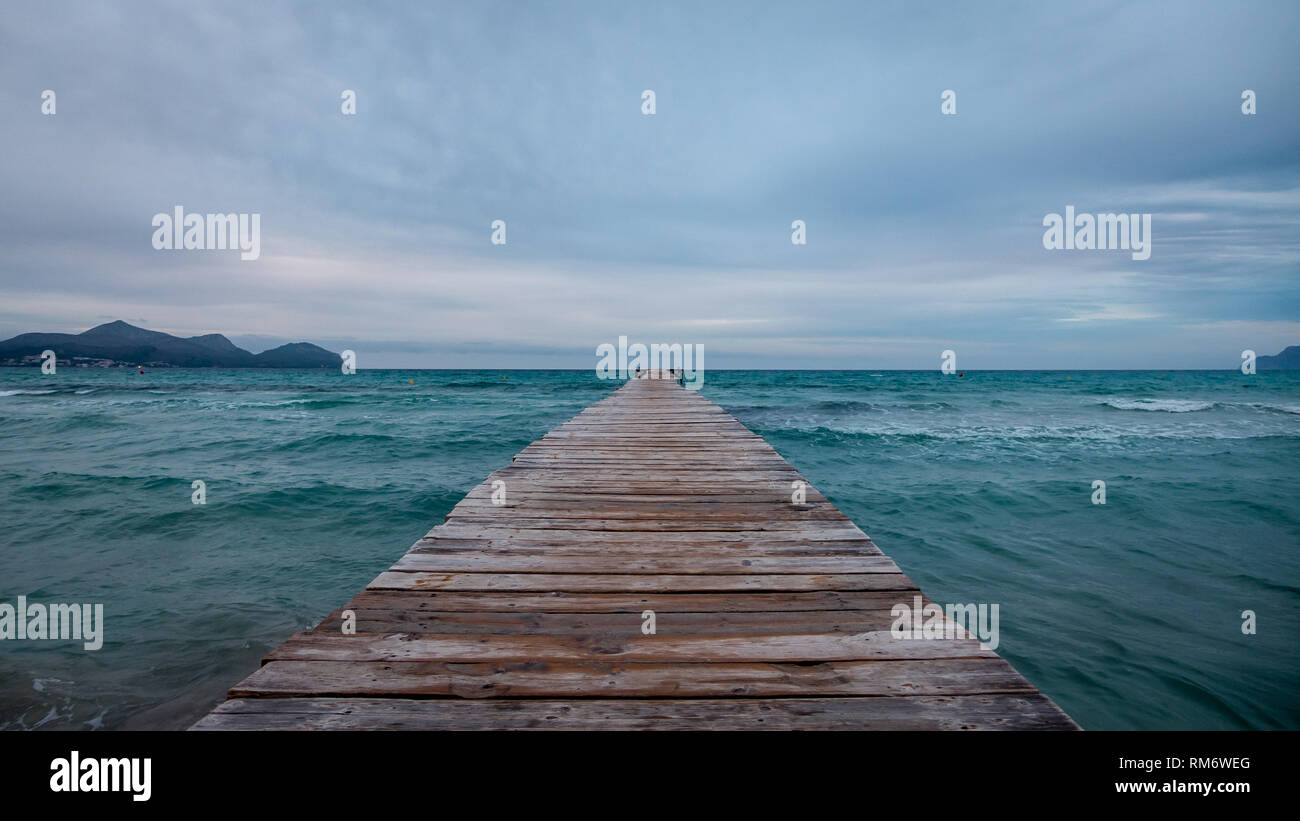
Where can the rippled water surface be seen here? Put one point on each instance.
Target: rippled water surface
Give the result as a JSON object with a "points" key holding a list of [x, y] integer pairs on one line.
{"points": [[1128, 614]]}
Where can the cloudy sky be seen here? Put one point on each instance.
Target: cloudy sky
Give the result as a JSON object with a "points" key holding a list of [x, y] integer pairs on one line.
{"points": [[924, 231]]}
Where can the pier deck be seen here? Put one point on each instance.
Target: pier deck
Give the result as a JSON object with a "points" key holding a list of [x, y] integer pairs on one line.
{"points": [[529, 615]]}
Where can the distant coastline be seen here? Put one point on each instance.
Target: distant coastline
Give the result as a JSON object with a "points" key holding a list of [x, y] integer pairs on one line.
{"points": [[119, 344], [122, 345]]}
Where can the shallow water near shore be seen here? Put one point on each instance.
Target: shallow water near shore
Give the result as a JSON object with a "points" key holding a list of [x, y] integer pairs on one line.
{"points": [[1127, 614]]}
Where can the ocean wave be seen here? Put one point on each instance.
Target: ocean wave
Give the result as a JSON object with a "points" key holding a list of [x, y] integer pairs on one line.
{"points": [[21, 392], [1166, 405], [1002, 435], [302, 404], [1290, 409], [847, 405], [322, 441]]}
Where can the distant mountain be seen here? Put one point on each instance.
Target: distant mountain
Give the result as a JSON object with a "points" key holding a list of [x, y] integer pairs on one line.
{"points": [[298, 355], [1288, 360], [215, 342], [119, 343]]}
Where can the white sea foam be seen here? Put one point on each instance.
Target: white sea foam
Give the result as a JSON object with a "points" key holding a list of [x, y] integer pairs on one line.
{"points": [[1166, 405], [38, 684]]}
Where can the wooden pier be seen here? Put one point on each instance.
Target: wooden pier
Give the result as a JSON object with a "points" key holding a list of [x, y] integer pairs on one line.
{"points": [[531, 614]]}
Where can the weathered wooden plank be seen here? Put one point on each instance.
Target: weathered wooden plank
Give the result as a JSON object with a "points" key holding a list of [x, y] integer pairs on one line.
{"points": [[484, 523], [651, 548], [1027, 711], [660, 602], [573, 535], [709, 649], [406, 620], [630, 582], [540, 679], [600, 563]]}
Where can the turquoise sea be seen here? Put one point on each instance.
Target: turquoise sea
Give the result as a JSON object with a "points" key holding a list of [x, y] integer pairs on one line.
{"points": [[1128, 614]]}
